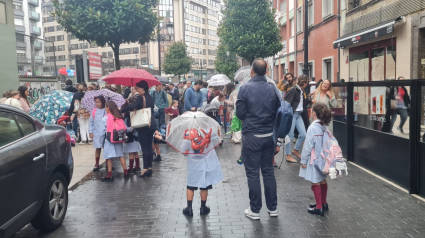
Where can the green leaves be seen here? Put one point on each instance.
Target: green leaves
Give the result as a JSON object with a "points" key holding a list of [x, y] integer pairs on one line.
{"points": [[226, 64], [177, 61], [257, 37]]}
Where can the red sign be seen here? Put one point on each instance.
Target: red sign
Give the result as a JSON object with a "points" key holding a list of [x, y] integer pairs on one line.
{"points": [[95, 66]]}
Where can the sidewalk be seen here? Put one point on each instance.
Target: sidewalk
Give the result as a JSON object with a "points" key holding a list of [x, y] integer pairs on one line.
{"points": [[360, 205], [83, 162]]}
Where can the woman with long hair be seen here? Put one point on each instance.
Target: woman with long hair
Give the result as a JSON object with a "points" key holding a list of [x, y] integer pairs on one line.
{"points": [[145, 134], [13, 100], [321, 115], [402, 98], [324, 94], [23, 93]]}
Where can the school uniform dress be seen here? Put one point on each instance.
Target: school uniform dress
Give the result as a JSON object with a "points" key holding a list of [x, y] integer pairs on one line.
{"points": [[96, 128], [111, 150], [203, 170], [134, 146], [314, 139]]}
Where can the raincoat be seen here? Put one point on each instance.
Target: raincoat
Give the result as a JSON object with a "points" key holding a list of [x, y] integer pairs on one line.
{"points": [[203, 170], [96, 128]]}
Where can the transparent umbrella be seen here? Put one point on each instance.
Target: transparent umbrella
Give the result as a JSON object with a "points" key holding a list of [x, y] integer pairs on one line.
{"points": [[218, 80], [193, 133]]}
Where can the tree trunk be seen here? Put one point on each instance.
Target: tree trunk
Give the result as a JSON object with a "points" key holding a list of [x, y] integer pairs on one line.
{"points": [[116, 50], [179, 78]]}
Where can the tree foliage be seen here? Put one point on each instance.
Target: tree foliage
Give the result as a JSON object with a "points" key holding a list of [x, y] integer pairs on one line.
{"points": [[177, 61], [108, 22], [249, 29], [226, 64]]}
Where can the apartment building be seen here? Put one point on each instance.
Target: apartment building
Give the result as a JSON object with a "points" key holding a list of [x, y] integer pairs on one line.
{"points": [[323, 30], [29, 31], [194, 22], [381, 40]]}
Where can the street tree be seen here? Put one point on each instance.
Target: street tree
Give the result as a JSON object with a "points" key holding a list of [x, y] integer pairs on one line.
{"points": [[108, 22], [226, 64], [177, 61], [249, 29]]}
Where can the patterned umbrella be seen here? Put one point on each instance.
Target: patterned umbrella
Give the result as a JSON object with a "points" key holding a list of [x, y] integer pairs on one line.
{"points": [[218, 80], [129, 77], [50, 107], [88, 100], [193, 133]]}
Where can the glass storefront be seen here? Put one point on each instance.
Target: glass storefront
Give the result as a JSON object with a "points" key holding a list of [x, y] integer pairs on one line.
{"points": [[373, 62]]}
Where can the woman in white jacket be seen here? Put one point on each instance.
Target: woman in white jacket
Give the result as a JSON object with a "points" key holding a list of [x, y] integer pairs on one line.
{"points": [[13, 100]]}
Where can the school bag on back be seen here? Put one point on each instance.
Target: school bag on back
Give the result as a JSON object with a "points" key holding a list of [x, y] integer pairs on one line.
{"points": [[116, 132], [331, 160], [284, 115]]}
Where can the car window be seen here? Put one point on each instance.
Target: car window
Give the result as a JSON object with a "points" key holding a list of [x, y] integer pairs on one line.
{"points": [[26, 126], [9, 130]]}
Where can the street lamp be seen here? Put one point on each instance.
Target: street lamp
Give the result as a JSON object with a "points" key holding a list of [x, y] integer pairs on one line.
{"points": [[169, 27], [136, 62], [201, 67]]}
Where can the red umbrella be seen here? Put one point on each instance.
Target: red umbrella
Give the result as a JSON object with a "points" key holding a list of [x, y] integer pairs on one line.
{"points": [[130, 76], [63, 71]]}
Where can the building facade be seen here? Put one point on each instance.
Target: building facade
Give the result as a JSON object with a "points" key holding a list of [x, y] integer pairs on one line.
{"points": [[193, 22], [323, 29], [29, 35]]}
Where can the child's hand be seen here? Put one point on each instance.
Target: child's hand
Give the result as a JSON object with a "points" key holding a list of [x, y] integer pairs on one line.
{"points": [[277, 149], [304, 166], [91, 135]]}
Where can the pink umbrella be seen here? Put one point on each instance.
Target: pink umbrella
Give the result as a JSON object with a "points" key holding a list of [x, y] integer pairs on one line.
{"points": [[130, 76]]}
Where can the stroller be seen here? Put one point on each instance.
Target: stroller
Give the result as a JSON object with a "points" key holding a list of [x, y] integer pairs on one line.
{"points": [[212, 112]]}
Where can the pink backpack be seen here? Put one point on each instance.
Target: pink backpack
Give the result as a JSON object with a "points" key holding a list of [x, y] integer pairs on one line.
{"points": [[116, 132]]}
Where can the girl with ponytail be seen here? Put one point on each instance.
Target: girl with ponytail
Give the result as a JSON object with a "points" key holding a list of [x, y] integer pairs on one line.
{"points": [[321, 115]]}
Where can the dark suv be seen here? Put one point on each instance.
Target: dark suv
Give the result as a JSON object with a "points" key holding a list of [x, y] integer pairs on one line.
{"points": [[36, 167]]}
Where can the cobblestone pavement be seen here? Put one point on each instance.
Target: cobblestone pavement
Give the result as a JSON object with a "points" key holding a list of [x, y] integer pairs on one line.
{"points": [[360, 206]]}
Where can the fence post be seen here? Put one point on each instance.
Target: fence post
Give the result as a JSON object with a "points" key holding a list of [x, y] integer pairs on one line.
{"points": [[414, 130], [350, 119]]}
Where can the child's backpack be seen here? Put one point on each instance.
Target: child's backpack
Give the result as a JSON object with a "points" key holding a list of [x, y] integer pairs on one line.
{"points": [[116, 132], [283, 120], [331, 160]]}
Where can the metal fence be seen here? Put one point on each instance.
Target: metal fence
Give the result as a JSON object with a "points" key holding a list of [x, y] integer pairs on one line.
{"points": [[32, 56]]}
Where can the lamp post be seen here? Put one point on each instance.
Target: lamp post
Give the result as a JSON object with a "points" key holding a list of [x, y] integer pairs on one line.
{"points": [[200, 63], [136, 63], [169, 27]]}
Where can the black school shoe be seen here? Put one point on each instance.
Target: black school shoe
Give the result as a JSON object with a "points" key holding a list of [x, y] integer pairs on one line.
{"points": [[324, 206], [204, 210], [107, 179], [96, 168], [126, 176], [188, 212], [158, 158], [316, 211]]}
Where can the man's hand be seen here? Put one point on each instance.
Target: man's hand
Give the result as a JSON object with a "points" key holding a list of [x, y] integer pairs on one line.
{"points": [[329, 94], [281, 79], [193, 109], [304, 166], [91, 135]]}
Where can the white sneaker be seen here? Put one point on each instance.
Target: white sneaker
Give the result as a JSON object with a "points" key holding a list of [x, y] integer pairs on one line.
{"points": [[272, 213], [252, 215], [90, 142], [82, 143]]}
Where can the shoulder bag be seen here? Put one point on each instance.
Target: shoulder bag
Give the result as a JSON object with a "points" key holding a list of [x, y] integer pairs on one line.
{"points": [[142, 117]]}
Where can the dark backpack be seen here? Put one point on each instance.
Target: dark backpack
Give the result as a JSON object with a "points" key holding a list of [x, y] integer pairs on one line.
{"points": [[283, 121]]}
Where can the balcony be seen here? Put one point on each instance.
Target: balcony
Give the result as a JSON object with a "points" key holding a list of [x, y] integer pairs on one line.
{"points": [[34, 15], [38, 45], [19, 14], [283, 20], [20, 29], [38, 59], [35, 30], [46, 4], [20, 44], [23, 60], [34, 2]]}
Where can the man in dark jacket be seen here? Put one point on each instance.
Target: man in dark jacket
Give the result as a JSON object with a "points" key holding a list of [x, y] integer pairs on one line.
{"points": [[174, 92], [256, 106], [68, 86]]}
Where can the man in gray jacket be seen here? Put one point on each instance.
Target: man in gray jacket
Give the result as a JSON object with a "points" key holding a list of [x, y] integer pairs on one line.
{"points": [[256, 106]]}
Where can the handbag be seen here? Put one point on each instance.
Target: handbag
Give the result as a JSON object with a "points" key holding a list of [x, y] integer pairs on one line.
{"points": [[142, 117], [393, 104]]}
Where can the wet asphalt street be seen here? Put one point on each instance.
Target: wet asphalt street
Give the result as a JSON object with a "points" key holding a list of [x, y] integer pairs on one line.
{"points": [[360, 205]]}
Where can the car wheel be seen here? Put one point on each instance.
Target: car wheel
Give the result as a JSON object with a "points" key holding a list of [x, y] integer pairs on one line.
{"points": [[55, 203]]}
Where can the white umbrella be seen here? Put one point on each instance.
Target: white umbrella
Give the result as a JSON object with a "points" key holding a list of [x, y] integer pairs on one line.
{"points": [[218, 80], [244, 76]]}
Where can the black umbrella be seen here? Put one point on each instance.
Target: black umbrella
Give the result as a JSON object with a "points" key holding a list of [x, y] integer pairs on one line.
{"points": [[208, 77], [193, 79], [161, 79]]}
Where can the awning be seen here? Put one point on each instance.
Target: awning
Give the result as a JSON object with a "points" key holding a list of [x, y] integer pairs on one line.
{"points": [[382, 29]]}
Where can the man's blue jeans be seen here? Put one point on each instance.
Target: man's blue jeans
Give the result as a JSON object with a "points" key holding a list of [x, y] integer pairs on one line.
{"points": [[297, 122]]}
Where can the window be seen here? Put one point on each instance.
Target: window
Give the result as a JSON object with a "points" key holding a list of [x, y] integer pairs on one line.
{"points": [[10, 130], [353, 4], [299, 19], [72, 67], [136, 50], [127, 51], [310, 13], [61, 58], [50, 29], [20, 37], [110, 54], [292, 27], [17, 6], [84, 46], [104, 54], [74, 46], [19, 22], [283, 7], [59, 38], [327, 72], [61, 48], [21, 53], [26, 126], [327, 8], [58, 28], [210, 62]]}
